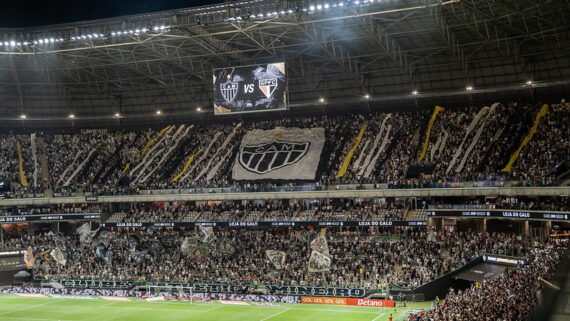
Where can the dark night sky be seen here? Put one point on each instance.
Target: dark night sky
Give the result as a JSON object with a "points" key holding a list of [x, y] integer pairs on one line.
{"points": [[29, 13]]}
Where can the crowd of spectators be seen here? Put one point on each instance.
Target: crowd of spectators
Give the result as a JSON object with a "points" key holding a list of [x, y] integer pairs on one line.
{"points": [[53, 209], [360, 257], [259, 211], [510, 203], [511, 296], [458, 151]]}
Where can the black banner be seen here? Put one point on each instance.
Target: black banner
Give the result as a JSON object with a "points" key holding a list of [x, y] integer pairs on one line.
{"points": [[220, 288], [95, 284], [500, 213], [316, 291], [49, 218], [268, 224], [250, 88]]}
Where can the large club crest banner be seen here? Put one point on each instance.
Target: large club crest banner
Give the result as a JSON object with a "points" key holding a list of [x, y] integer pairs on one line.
{"points": [[280, 153], [250, 88]]}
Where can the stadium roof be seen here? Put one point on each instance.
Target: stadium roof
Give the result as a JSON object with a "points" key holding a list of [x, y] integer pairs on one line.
{"points": [[339, 50]]}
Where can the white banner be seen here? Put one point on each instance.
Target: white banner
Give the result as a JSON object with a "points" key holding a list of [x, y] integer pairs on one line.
{"points": [[319, 262], [277, 258], [58, 256], [280, 153]]}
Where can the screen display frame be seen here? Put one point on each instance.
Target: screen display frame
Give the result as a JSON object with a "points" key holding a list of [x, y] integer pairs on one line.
{"points": [[220, 110]]}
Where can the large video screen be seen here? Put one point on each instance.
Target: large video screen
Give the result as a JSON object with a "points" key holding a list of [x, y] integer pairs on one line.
{"points": [[250, 89]]}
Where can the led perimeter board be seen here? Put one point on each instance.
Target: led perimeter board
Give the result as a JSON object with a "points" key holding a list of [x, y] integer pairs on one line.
{"points": [[250, 88]]}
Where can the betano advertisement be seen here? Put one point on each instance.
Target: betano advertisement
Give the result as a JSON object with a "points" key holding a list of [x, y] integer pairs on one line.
{"points": [[348, 301]]}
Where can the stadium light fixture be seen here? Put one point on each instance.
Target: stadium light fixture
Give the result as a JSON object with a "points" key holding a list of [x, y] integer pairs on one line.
{"points": [[199, 109], [326, 6], [469, 88], [12, 43], [367, 96], [356, 2], [22, 116], [117, 115], [71, 116], [340, 4], [320, 7], [290, 11], [414, 92], [529, 82], [321, 100], [158, 112]]}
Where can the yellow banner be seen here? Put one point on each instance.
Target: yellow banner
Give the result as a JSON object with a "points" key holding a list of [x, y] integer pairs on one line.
{"points": [[430, 125], [190, 160], [152, 141], [344, 167], [23, 179], [543, 111], [127, 167]]}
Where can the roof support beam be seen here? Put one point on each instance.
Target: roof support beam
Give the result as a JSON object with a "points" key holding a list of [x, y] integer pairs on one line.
{"points": [[389, 45], [340, 54], [450, 38]]}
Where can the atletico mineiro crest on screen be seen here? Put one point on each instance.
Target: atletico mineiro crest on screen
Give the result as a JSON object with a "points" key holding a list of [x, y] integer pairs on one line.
{"points": [[229, 90], [268, 86]]}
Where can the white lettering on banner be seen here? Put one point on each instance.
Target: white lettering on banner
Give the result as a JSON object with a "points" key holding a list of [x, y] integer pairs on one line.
{"points": [[370, 303]]}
